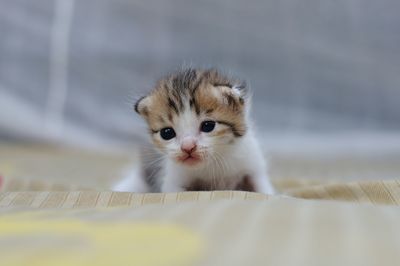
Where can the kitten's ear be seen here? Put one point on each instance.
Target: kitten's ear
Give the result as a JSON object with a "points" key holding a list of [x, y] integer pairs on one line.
{"points": [[141, 106], [241, 90]]}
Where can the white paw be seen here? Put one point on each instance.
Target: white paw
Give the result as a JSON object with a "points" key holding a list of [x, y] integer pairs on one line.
{"points": [[132, 181]]}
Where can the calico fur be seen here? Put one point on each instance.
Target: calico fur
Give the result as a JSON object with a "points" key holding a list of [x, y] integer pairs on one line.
{"points": [[229, 157]]}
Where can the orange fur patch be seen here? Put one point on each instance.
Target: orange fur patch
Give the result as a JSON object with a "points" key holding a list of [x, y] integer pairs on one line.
{"points": [[203, 91]]}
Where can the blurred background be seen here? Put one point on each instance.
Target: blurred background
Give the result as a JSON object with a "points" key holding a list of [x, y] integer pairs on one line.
{"points": [[325, 74]]}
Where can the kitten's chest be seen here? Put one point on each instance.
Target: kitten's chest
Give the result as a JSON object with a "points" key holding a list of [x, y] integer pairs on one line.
{"points": [[238, 182], [215, 178]]}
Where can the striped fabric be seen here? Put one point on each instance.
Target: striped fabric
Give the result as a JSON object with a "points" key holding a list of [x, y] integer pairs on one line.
{"points": [[90, 199], [34, 193], [44, 175], [278, 231], [311, 226]]}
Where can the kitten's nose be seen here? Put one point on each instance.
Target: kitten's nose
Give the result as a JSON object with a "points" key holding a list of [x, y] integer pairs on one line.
{"points": [[188, 145]]}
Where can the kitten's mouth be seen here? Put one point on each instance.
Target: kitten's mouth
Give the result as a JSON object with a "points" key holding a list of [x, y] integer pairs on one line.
{"points": [[189, 159]]}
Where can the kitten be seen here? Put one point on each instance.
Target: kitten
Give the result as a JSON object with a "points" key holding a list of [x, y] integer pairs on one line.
{"points": [[198, 119]]}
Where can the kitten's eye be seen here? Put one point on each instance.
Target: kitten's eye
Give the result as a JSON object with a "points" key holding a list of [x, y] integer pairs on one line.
{"points": [[167, 133], [207, 126]]}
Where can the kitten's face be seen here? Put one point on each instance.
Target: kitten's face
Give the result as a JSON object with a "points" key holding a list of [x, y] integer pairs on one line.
{"points": [[194, 115]]}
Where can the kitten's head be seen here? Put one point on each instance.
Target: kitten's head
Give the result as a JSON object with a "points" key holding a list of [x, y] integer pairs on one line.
{"points": [[194, 115]]}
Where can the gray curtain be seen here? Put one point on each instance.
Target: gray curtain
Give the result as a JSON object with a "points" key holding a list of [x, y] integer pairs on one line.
{"points": [[70, 70]]}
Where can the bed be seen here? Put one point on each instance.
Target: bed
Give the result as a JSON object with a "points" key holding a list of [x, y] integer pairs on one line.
{"points": [[324, 221]]}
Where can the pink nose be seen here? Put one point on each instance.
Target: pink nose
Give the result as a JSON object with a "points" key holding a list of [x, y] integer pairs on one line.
{"points": [[188, 145]]}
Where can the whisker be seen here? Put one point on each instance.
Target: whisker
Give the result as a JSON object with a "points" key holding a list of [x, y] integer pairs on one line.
{"points": [[153, 162], [216, 179], [222, 167]]}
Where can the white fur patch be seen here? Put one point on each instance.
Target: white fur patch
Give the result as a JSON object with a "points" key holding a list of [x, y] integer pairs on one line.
{"points": [[131, 181], [236, 90]]}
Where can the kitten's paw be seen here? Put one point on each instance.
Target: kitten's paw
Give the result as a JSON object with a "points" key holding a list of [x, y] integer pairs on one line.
{"points": [[198, 185], [264, 185], [246, 184], [131, 182], [171, 187]]}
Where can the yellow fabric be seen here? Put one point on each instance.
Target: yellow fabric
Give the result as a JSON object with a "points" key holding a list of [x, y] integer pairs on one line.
{"points": [[313, 226], [47, 242], [278, 231], [203, 228]]}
